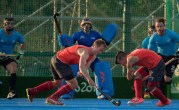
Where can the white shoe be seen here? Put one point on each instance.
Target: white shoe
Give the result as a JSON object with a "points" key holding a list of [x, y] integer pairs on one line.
{"points": [[102, 97], [11, 95]]}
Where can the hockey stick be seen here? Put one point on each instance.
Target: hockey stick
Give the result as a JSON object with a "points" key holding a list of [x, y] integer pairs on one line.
{"points": [[57, 23], [116, 103], [168, 62], [7, 55], [65, 40]]}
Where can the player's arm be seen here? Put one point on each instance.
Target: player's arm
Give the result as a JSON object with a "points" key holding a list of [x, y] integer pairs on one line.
{"points": [[176, 37], [152, 45], [75, 37], [22, 42], [22, 46], [89, 63], [83, 53], [130, 61]]}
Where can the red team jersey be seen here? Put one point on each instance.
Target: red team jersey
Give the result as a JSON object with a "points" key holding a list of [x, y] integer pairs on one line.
{"points": [[147, 58], [69, 55]]}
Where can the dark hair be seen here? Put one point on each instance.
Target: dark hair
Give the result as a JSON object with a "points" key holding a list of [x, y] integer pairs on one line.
{"points": [[160, 20], [152, 27], [119, 56], [9, 19]]}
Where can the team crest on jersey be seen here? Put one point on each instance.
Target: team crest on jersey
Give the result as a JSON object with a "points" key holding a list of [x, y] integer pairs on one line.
{"points": [[169, 40], [93, 38], [82, 37]]}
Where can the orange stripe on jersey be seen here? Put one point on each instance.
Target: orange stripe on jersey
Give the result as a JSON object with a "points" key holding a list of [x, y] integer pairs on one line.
{"points": [[69, 56], [147, 58]]}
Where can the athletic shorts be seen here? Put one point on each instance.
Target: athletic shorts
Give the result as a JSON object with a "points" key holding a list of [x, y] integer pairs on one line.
{"points": [[170, 68], [157, 73], [60, 70], [4, 61]]}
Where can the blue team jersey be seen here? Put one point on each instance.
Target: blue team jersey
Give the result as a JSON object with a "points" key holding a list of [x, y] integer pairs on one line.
{"points": [[145, 42], [165, 44], [86, 39], [7, 42]]}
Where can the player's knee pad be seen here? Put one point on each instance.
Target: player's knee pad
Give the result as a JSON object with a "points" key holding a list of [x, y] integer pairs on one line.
{"points": [[70, 95], [103, 78]]}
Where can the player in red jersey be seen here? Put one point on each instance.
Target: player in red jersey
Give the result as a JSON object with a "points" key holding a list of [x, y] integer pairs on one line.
{"points": [[60, 66], [156, 66]]}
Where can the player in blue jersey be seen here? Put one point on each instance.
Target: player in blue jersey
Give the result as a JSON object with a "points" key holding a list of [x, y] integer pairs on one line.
{"points": [[8, 39], [164, 42], [87, 36], [145, 42]]}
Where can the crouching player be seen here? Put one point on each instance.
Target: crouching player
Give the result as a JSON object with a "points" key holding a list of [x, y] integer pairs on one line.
{"points": [[151, 61], [86, 36], [60, 66]]}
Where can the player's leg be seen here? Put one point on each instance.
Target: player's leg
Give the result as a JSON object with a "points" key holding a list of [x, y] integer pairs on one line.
{"points": [[63, 71], [146, 92], [140, 72], [48, 85], [103, 78], [70, 95], [11, 66], [170, 68], [65, 89], [158, 94], [156, 76]]}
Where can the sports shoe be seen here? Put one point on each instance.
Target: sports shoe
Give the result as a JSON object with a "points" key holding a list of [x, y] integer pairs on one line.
{"points": [[11, 95], [30, 94], [52, 101], [102, 97], [161, 104], [146, 95], [135, 101]]}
